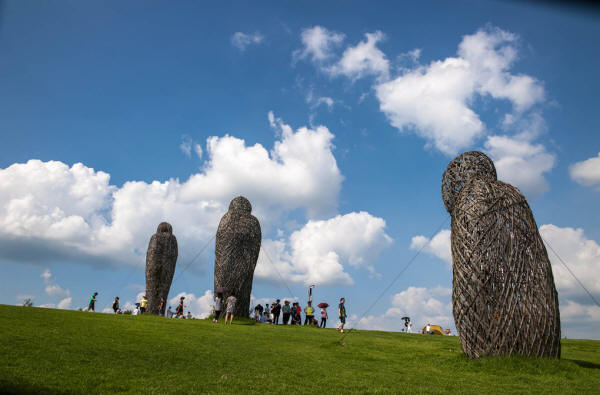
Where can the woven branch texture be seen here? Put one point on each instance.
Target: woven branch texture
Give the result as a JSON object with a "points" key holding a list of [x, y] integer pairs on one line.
{"points": [[503, 294], [161, 258], [236, 252], [468, 165]]}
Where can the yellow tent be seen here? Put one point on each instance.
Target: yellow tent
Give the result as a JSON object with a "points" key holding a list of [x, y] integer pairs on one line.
{"points": [[434, 329]]}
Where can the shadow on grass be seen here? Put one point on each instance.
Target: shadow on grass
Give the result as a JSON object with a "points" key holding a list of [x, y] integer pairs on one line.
{"points": [[26, 388], [584, 364]]}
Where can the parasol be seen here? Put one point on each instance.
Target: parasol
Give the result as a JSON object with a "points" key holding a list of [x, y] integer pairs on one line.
{"points": [[323, 305]]}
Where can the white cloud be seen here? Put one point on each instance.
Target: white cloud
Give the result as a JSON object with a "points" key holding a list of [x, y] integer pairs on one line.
{"points": [[438, 246], [198, 150], [56, 291], [46, 275], [186, 145], [520, 163], [579, 253], [50, 211], [243, 40], [201, 307], [576, 312], [435, 100], [316, 254], [65, 303], [318, 43], [422, 305], [586, 172], [363, 59]]}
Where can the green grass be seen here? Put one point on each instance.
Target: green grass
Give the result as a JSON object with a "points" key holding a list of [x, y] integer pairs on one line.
{"points": [[58, 351]]}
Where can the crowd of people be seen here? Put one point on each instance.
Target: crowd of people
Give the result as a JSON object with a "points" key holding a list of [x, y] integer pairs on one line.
{"points": [[291, 313]]}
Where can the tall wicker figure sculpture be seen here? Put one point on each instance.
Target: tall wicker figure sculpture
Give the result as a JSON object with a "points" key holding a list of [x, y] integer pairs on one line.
{"points": [[503, 295], [236, 252], [161, 258]]}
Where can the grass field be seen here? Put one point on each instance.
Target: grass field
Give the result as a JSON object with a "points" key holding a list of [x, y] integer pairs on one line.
{"points": [[59, 351]]}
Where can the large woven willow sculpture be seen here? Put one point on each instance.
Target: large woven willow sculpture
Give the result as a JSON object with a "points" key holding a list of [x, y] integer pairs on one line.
{"points": [[161, 258], [236, 252], [503, 294]]}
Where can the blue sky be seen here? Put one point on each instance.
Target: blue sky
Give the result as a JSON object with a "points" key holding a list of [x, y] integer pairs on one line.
{"points": [[335, 119]]}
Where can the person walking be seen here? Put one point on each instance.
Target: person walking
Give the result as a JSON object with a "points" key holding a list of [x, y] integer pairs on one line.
{"points": [[92, 304], [310, 314], [115, 305], [169, 313], [218, 306], [229, 313], [323, 317], [287, 311], [342, 314], [179, 310], [276, 309], [143, 304]]}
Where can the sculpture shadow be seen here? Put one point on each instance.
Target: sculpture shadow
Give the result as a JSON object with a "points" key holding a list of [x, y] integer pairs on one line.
{"points": [[584, 364]]}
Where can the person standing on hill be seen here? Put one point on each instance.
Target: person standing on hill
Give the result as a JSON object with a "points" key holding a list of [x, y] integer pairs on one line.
{"points": [[297, 315], [276, 309], [342, 315], [143, 304], [92, 304], [115, 305], [218, 306], [310, 314], [179, 310], [229, 313], [287, 310], [323, 317], [169, 313]]}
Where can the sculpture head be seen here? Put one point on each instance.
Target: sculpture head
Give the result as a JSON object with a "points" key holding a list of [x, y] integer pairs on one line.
{"points": [[465, 166], [165, 227], [240, 203]]}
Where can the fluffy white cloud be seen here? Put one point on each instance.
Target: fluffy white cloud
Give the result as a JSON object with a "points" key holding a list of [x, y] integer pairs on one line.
{"points": [[318, 43], [65, 303], [579, 253], [201, 306], [422, 305], [435, 100], [576, 312], [520, 163], [586, 172], [363, 59], [56, 291], [187, 145], [316, 254], [438, 246], [242, 40], [50, 211]]}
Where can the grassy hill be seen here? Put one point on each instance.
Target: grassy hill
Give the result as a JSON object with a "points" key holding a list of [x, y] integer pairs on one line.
{"points": [[58, 351]]}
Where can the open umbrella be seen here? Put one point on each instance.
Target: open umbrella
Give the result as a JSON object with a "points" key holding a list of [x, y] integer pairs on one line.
{"points": [[405, 318], [322, 305], [221, 290]]}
